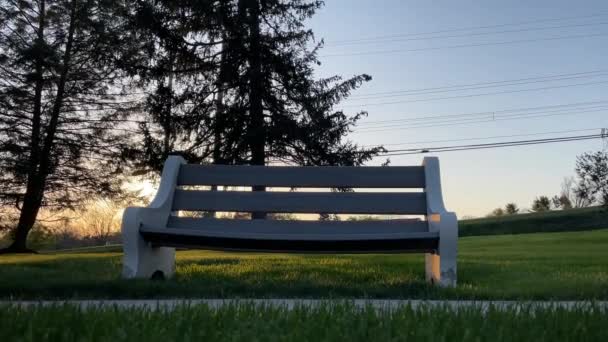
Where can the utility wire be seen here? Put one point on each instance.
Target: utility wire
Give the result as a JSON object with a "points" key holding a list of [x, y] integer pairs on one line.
{"points": [[514, 110], [433, 125], [475, 95], [488, 115], [480, 85], [453, 148], [487, 138], [462, 35], [520, 23], [384, 52]]}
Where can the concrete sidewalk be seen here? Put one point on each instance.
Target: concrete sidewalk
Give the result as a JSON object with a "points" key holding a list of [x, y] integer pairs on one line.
{"points": [[379, 304]]}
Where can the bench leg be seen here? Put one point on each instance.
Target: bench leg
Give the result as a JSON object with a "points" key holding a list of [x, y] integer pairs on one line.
{"points": [[140, 260], [440, 267]]}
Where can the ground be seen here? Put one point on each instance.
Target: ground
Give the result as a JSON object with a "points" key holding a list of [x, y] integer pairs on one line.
{"points": [[557, 266], [551, 266]]}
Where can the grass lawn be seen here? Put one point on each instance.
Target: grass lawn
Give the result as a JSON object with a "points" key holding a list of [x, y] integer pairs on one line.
{"points": [[340, 322], [571, 265]]}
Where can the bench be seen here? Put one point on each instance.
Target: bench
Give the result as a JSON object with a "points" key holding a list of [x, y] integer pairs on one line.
{"points": [[151, 234]]}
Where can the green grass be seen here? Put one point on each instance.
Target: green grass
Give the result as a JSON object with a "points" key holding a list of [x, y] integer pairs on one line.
{"points": [[340, 322], [532, 266], [551, 221]]}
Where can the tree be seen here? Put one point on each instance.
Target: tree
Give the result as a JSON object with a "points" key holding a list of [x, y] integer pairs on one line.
{"points": [[592, 172], [511, 209], [288, 115], [173, 64], [498, 212], [541, 204], [571, 193], [57, 108], [562, 202], [285, 114], [263, 104]]}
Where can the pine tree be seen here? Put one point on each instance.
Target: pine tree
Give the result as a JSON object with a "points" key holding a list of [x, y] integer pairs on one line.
{"points": [[250, 64], [173, 62], [247, 71], [289, 116], [57, 106]]}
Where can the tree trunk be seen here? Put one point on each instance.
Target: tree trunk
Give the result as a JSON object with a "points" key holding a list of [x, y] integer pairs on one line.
{"points": [[168, 131], [31, 201], [37, 179], [219, 117], [257, 129]]}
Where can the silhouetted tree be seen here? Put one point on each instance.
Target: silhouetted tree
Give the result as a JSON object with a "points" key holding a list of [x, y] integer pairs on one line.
{"points": [[562, 202], [286, 114], [511, 209], [261, 103], [592, 171], [497, 212], [570, 192], [57, 77], [541, 203], [173, 58]]}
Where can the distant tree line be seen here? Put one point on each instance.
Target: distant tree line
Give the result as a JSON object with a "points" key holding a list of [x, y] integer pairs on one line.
{"points": [[589, 188]]}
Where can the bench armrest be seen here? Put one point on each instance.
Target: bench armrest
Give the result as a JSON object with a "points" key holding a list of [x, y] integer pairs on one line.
{"points": [[437, 215], [158, 211]]}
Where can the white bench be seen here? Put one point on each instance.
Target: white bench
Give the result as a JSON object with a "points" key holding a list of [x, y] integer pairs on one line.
{"points": [[151, 234]]}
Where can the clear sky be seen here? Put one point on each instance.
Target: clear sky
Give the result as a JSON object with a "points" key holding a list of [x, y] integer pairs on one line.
{"points": [[475, 182]]}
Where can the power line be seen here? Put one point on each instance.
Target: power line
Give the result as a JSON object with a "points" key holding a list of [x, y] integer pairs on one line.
{"points": [[474, 28], [492, 137], [454, 148], [480, 85], [475, 95], [381, 52], [475, 34], [513, 110], [473, 121], [487, 115]]}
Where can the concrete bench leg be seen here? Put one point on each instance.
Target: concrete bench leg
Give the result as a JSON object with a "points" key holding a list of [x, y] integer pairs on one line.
{"points": [[140, 260], [441, 267]]}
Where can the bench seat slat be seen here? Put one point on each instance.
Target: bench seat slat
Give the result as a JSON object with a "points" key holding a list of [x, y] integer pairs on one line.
{"points": [[303, 177], [409, 203], [292, 241]]}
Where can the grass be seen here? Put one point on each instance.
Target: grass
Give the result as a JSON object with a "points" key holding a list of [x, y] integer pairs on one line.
{"points": [[340, 322], [557, 266], [551, 221]]}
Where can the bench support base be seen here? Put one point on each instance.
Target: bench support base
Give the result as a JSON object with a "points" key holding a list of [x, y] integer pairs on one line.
{"points": [[440, 267], [140, 259], [441, 271]]}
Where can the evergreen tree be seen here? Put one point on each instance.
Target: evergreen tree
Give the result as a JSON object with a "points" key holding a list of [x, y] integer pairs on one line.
{"points": [[255, 55], [57, 105], [286, 114], [173, 62], [251, 65]]}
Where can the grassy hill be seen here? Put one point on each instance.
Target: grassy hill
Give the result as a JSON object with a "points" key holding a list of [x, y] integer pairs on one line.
{"points": [[552, 221]]}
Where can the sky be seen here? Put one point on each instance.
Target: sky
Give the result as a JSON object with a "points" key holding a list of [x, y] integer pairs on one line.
{"points": [[570, 69]]}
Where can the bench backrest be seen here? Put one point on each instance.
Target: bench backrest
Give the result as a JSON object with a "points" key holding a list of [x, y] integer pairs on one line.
{"points": [[177, 174]]}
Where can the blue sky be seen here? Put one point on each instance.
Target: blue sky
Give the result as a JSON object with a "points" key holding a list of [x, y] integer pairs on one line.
{"points": [[475, 182]]}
